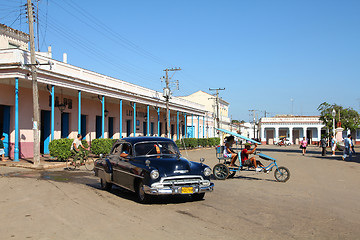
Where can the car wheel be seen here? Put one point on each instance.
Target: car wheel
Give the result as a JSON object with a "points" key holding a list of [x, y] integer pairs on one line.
{"points": [[141, 195], [198, 196], [105, 185]]}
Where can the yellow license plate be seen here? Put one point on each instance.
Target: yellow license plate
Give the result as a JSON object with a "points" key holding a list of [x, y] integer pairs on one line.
{"points": [[187, 190]]}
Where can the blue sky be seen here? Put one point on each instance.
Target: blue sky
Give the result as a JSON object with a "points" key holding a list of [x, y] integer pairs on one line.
{"points": [[264, 53]]}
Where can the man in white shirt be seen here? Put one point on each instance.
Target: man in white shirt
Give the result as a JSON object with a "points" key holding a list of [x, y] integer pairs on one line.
{"points": [[75, 146]]}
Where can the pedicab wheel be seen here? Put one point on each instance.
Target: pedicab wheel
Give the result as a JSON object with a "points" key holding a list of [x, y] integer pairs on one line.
{"points": [[105, 185], [282, 174], [198, 196], [231, 174], [221, 171], [70, 163], [89, 163]]}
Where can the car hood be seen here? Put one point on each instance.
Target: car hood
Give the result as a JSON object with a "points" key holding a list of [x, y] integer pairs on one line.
{"points": [[170, 166]]}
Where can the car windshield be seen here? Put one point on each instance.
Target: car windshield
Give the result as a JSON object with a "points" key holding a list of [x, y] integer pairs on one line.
{"points": [[156, 148]]}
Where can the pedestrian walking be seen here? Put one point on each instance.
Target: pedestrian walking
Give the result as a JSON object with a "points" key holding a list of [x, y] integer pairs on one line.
{"points": [[352, 146], [323, 145], [347, 148], [2, 148], [303, 145], [333, 143]]}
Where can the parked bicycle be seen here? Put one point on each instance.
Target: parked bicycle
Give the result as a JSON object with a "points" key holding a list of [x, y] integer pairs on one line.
{"points": [[83, 157]]}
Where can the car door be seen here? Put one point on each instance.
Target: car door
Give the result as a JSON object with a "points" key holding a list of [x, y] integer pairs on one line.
{"points": [[123, 174]]}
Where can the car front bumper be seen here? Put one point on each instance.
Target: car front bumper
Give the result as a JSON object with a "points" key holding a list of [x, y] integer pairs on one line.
{"points": [[175, 190]]}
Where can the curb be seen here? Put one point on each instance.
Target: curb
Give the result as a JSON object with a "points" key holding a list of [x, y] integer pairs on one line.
{"points": [[37, 167]]}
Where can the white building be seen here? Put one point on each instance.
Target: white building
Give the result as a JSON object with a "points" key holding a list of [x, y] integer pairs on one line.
{"points": [[292, 127], [209, 120]]}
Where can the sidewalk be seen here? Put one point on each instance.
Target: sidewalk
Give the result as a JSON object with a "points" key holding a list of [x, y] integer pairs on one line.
{"points": [[46, 162]]}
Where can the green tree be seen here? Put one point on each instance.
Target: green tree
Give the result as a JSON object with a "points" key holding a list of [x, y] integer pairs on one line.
{"points": [[349, 118]]}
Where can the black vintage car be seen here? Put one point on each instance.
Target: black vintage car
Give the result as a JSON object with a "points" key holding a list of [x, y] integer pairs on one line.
{"points": [[152, 166]]}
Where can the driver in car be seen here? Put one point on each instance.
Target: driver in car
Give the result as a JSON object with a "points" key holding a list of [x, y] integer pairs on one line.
{"points": [[252, 161]]}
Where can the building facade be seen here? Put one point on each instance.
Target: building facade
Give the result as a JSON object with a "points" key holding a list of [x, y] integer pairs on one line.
{"points": [[74, 100], [209, 120], [292, 127]]}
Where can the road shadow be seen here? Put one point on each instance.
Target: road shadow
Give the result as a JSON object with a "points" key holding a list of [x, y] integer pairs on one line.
{"points": [[354, 159], [291, 150], [156, 200]]}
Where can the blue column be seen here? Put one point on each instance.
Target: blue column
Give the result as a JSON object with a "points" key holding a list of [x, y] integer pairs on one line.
{"points": [[177, 127], [198, 128], [134, 107], [16, 149], [79, 112], [192, 125], [148, 121], [185, 128], [169, 130], [203, 126], [158, 124], [120, 121], [103, 117], [52, 112]]}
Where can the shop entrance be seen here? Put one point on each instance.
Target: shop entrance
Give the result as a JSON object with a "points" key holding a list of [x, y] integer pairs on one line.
{"points": [[45, 132], [5, 126]]}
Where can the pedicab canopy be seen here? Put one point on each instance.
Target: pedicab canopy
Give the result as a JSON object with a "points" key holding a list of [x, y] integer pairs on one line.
{"points": [[237, 135]]}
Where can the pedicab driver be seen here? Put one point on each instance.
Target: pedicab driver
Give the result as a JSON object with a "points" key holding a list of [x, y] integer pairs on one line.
{"points": [[252, 161]]}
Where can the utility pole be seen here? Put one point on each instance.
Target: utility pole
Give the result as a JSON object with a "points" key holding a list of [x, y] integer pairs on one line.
{"points": [[254, 121], [217, 104], [36, 117], [167, 94]]}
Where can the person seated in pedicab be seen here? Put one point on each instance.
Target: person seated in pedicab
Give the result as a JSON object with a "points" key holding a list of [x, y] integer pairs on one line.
{"points": [[228, 152], [252, 162]]}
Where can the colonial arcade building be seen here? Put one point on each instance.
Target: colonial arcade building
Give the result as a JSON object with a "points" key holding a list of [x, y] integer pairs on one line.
{"points": [[292, 127], [73, 100]]}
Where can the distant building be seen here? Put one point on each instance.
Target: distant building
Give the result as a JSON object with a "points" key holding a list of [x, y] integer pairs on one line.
{"points": [[292, 127], [210, 123]]}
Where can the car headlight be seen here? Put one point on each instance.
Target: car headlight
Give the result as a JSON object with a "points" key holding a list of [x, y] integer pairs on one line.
{"points": [[154, 174], [207, 171]]}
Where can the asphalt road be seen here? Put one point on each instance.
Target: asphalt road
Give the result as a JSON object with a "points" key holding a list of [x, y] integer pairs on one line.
{"points": [[320, 201]]}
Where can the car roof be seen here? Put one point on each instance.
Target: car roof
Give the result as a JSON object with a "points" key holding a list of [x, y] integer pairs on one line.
{"points": [[134, 140]]}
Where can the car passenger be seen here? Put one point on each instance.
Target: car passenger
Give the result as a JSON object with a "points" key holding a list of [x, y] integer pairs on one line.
{"points": [[245, 161], [125, 151], [228, 152]]}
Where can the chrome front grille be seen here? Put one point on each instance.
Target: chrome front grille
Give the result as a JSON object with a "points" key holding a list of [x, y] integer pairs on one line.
{"points": [[178, 181]]}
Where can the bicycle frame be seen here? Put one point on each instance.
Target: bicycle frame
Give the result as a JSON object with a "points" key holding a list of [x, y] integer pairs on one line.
{"points": [[268, 167]]}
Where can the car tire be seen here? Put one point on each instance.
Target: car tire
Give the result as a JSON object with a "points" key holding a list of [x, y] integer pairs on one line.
{"points": [[105, 185], [198, 196], [141, 195]]}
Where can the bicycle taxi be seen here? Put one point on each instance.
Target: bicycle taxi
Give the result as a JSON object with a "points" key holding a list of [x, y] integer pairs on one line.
{"points": [[222, 170]]}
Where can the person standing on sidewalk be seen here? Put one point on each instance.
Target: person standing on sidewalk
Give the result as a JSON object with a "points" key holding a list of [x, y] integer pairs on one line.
{"points": [[333, 145], [323, 145], [303, 145], [347, 149], [2, 148]]}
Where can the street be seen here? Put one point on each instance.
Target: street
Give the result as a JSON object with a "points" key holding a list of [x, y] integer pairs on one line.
{"points": [[320, 201]]}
